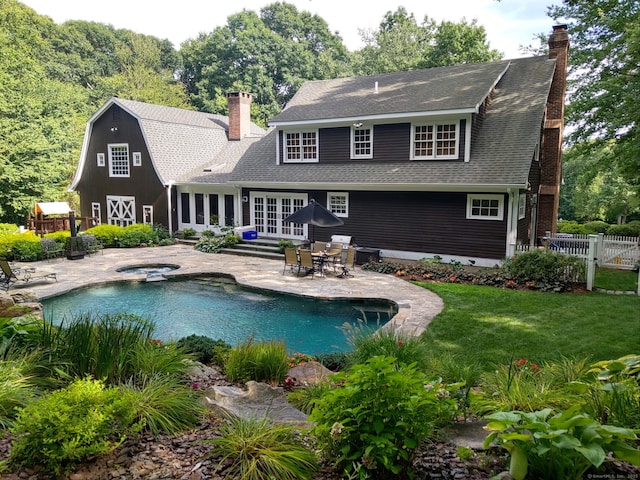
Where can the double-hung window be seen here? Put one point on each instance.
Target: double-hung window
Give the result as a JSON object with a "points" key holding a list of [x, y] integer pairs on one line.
{"points": [[361, 142], [119, 160], [301, 146], [434, 141], [338, 203], [485, 207]]}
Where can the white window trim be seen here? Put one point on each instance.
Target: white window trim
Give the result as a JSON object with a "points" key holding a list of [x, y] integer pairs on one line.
{"points": [[353, 143], [339, 194], [435, 156], [300, 159], [100, 159], [522, 206], [137, 159], [145, 209], [95, 209], [471, 197], [111, 146]]}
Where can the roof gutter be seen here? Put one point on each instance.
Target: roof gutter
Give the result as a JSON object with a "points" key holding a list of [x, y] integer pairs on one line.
{"points": [[388, 187]]}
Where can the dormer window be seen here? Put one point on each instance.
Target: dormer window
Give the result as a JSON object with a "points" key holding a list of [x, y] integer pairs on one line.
{"points": [[301, 147], [436, 141], [361, 141]]}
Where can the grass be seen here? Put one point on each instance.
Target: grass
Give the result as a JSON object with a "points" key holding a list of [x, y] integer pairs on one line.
{"points": [[493, 326], [614, 279]]}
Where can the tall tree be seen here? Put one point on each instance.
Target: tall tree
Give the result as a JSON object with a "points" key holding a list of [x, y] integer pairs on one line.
{"points": [[604, 81], [400, 44], [269, 55]]}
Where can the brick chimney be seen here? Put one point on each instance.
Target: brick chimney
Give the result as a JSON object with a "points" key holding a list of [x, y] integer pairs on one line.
{"points": [[551, 152], [239, 114]]}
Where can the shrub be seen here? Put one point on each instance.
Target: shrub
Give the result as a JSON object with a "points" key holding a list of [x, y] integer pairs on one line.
{"points": [[548, 270], [16, 389], [189, 232], [8, 229], [137, 234], [106, 234], [259, 361], [161, 232], [595, 227], [564, 445], [17, 331], [377, 416], [334, 361], [205, 350], [59, 236], [254, 449], [282, 244], [306, 398], [570, 226], [27, 250], [631, 229], [72, 424]]}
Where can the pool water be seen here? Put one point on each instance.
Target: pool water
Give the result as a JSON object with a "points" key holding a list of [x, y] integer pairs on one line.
{"points": [[221, 309]]}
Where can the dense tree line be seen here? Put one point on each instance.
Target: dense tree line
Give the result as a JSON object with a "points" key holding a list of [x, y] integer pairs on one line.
{"points": [[54, 77]]}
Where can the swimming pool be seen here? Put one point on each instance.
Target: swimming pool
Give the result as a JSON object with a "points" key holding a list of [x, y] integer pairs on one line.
{"points": [[221, 309]]}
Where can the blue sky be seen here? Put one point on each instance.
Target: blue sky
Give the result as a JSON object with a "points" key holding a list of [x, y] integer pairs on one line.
{"points": [[509, 23]]}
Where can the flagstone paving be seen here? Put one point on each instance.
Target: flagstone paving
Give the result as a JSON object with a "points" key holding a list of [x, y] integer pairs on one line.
{"points": [[416, 306]]}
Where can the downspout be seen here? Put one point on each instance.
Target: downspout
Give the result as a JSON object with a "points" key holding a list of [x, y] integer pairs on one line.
{"points": [[169, 212], [512, 224]]}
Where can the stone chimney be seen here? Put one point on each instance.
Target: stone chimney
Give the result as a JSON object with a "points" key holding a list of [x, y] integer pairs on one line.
{"points": [[239, 114], [551, 151]]}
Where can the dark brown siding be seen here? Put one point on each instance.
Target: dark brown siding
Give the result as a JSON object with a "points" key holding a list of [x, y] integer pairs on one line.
{"points": [[143, 183], [391, 143], [432, 222]]}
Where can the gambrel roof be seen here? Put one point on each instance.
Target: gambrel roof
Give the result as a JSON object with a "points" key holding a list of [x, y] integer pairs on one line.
{"points": [[179, 141], [501, 154]]}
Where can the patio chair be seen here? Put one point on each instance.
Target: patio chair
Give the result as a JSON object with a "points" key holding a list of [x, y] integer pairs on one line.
{"points": [[11, 276], [319, 246], [306, 262], [334, 252], [50, 248], [349, 263], [290, 259]]}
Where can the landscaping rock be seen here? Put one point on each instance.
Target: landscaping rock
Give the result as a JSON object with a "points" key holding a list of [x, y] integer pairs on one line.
{"points": [[258, 400], [309, 373], [6, 301]]}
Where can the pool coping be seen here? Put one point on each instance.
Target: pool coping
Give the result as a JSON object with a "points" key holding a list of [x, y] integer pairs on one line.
{"points": [[416, 305]]}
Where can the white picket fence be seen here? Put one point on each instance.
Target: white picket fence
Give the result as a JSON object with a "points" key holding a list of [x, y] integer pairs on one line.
{"points": [[611, 251]]}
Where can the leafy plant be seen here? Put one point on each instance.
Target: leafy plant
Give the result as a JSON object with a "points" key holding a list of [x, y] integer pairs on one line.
{"points": [[16, 388], [27, 250], [255, 449], [378, 415], [8, 228], [564, 445], [189, 232], [216, 244], [282, 244], [72, 424], [137, 234], [259, 361]]}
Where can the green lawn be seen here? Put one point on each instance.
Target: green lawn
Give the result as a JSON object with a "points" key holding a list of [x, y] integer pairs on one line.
{"points": [[613, 279], [494, 325]]}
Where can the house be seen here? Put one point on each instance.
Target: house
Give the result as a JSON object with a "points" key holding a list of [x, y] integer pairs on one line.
{"points": [[463, 162], [135, 154]]}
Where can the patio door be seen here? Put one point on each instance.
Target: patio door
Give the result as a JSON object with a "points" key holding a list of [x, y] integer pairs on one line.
{"points": [[121, 210], [269, 209]]}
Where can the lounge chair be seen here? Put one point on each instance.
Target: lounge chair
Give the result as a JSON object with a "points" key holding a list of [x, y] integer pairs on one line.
{"points": [[290, 259], [50, 248], [11, 276]]}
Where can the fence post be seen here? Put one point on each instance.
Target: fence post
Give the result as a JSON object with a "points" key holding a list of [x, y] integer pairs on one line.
{"points": [[639, 282], [600, 250], [591, 262]]}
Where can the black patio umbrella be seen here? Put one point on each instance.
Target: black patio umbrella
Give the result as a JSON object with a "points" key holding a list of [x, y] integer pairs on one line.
{"points": [[314, 214]]}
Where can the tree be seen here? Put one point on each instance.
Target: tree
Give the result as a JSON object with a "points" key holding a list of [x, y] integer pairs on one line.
{"points": [[400, 44], [604, 82], [269, 55]]}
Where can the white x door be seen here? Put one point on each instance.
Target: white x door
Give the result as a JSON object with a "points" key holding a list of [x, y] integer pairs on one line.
{"points": [[121, 210]]}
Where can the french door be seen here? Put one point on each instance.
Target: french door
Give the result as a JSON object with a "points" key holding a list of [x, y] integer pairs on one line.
{"points": [[269, 209], [121, 210]]}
